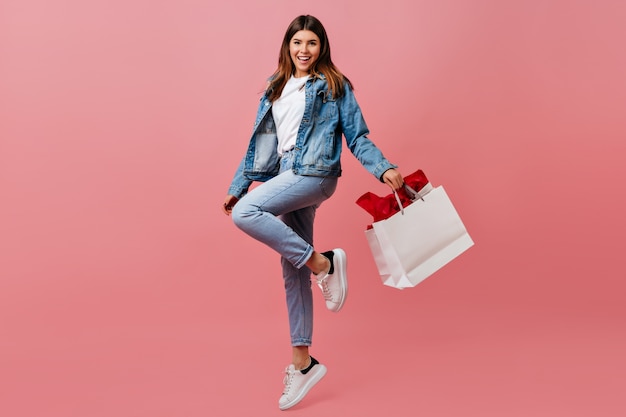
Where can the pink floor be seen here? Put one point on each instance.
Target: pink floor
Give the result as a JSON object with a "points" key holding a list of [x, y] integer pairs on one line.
{"points": [[493, 344]]}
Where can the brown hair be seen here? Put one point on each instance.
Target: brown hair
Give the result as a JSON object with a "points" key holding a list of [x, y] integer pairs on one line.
{"points": [[323, 66]]}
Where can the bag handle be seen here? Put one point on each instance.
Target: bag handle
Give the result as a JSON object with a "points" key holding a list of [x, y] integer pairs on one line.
{"points": [[413, 195]]}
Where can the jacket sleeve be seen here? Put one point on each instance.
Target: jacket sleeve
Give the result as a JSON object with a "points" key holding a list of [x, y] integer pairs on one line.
{"points": [[356, 133], [240, 184]]}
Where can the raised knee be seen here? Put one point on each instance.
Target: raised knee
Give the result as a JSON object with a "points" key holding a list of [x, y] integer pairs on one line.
{"points": [[241, 215]]}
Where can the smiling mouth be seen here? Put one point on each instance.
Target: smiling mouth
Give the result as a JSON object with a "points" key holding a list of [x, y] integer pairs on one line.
{"points": [[304, 59]]}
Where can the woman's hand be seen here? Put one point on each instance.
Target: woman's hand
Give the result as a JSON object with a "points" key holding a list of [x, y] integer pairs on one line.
{"points": [[393, 178], [229, 203]]}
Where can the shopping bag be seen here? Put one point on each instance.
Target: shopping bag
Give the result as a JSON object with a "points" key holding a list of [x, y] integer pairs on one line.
{"points": [[382, 208], [418, 240]]}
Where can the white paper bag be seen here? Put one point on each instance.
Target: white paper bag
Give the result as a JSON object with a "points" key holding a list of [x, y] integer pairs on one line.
{"points": [[411, 245], [379, 257]]}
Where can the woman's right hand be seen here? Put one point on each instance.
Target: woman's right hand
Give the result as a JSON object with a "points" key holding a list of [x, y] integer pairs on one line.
{"points": [[229, 203], [393, 178]]}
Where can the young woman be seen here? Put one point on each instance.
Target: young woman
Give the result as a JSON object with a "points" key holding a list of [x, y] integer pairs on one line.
{"points": [[295, 151]]}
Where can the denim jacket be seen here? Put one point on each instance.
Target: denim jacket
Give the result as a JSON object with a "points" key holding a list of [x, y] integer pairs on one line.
{"points": [[318, 144]]}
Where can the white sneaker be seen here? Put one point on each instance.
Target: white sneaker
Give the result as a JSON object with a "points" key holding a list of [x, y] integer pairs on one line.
{"points": [[334, 283], [297, 384]]}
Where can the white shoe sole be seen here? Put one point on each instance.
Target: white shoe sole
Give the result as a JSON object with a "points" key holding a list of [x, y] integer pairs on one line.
{"points": [[343, 282], [318, 373]]}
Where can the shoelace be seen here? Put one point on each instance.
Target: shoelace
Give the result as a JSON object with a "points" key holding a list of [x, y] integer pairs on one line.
{"points": [[324, 287], [288, 380]]}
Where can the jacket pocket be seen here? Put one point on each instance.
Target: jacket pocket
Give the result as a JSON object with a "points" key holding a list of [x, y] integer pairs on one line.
{"points": [[324, 107]]}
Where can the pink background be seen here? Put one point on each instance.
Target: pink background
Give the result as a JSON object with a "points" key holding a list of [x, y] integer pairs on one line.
{"points": [[125, 292]]}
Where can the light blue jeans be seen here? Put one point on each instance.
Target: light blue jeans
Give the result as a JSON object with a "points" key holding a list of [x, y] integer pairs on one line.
{"points": [[280, 213]]}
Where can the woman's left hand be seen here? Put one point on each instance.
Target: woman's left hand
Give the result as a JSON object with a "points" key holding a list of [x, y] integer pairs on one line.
{"points": [[229, 203], [393, 178]]}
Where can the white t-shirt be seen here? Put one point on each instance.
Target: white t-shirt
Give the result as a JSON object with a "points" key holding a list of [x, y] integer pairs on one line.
{"points": [[288, 111]]}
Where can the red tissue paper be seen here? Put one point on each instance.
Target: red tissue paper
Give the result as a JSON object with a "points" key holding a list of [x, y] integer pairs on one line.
{"points": [[384, 207]]}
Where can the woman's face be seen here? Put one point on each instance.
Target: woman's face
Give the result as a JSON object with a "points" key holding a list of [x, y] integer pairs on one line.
{"points": [[304, 49]]}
